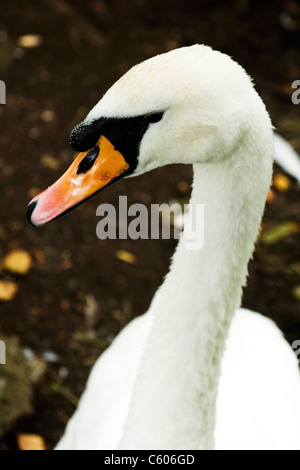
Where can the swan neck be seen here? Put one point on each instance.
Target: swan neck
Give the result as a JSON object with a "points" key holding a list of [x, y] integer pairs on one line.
{"points": [[176, 386]]}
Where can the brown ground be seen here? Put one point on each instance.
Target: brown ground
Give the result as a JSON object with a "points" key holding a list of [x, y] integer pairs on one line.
{"points": [[86, 47]]}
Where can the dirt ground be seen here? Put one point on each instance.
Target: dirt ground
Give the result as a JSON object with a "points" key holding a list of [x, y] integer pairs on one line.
{"points": [[79, 293]]}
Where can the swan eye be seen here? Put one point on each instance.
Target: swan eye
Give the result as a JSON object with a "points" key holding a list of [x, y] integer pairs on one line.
{"points": [[153, 117]]}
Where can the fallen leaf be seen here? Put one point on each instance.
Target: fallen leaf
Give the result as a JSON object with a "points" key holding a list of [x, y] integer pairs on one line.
{"points": [[48, 115], [34, 192], [271, 197], [18, 262], [8, 290], [30, 40], [126, 256], [30, 442], [281, 182], [66, 265], [279, 232], [50, 162], [296, 293]]}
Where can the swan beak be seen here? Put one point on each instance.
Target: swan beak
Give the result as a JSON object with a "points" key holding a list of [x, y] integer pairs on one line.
{"points": [[89, 173]]}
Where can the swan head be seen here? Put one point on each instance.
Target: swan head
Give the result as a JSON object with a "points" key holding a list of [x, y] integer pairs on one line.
{"points": [[190, 105]]}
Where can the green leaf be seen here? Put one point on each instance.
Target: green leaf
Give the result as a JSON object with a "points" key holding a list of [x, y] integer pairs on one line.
{"points": [[279, 232]]}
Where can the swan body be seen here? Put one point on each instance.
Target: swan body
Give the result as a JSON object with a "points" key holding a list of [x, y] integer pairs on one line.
{"points": [[248, 412], [261, 411], [169, 381]]}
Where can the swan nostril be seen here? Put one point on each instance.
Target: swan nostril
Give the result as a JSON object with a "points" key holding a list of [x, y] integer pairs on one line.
{"points": [[88, 161], [30, 210]]}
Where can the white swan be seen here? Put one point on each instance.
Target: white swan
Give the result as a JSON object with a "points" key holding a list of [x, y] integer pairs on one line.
{"points": [[157, 385]]}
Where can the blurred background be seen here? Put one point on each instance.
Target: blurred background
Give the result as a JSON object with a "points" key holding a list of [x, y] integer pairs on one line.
{"points": [[64, 293]]}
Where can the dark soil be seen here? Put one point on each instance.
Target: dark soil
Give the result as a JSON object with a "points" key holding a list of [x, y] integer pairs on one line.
{"points": [[78, 294]]}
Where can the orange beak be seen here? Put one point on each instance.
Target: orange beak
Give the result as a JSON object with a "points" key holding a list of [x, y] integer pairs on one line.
{"points": [[89, 173]]}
